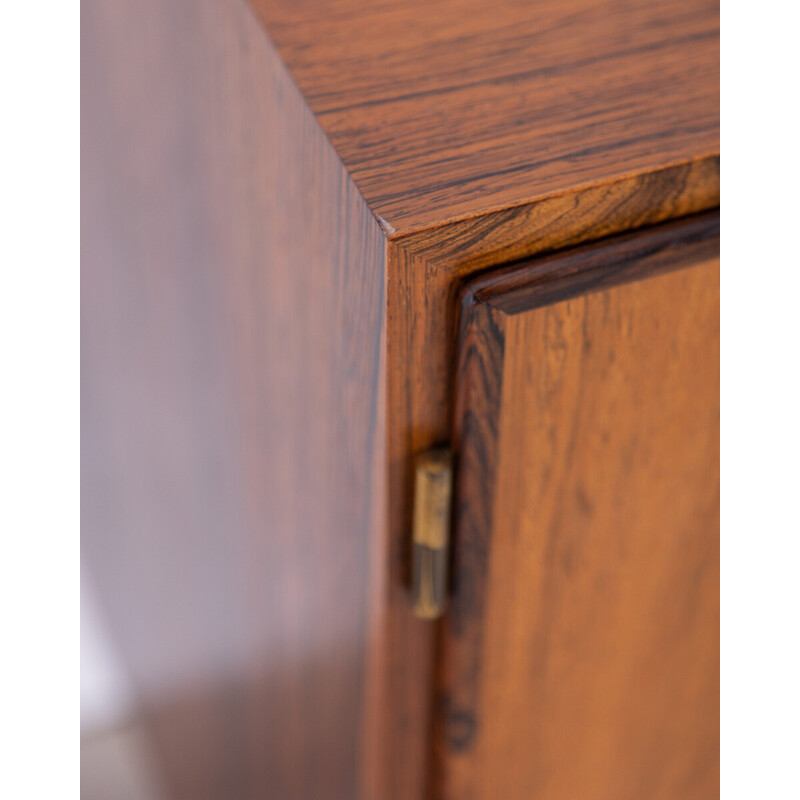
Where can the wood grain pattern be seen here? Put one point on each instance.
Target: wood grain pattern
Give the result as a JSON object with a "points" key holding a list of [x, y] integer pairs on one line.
{"points": [[424, 274], [233, 390], [269, 315], [461, 108], [521, 287], [580, 655]]}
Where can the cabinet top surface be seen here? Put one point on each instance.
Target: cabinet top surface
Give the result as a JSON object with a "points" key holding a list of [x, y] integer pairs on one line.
{"points": [[453, 109]]}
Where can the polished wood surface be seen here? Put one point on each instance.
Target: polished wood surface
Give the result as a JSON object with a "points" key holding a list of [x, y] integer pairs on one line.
{"points": [[280, 204], [424, 275], [580, 656], [425, 271], [461, 108], [233, 390]]}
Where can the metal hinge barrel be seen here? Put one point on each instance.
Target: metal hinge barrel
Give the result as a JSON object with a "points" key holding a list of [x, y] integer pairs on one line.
{"points": [[433, 490]]}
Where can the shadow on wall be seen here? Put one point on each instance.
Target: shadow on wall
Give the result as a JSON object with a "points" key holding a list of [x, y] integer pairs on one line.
{"points": [[244, 732], [116, 759]]}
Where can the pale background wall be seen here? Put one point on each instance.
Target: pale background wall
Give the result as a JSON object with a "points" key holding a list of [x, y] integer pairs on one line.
{"points": [[106, 696]]}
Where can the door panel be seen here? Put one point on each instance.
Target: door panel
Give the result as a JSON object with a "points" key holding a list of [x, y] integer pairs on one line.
{"points": [[580, 658]]}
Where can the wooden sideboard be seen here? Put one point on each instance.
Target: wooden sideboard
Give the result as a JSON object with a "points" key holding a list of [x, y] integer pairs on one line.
{"points": [[321, 238]]}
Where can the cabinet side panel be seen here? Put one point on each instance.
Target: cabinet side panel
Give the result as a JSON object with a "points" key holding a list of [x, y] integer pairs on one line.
{"points": [[233, 419], [599, 654]]}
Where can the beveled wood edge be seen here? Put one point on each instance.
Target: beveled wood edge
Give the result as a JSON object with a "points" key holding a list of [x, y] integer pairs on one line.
{"points": [[600, 264], [481, 354], [706, 184]]}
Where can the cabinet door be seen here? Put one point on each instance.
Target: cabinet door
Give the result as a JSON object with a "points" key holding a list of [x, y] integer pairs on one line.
{"points": [[580, 654]]}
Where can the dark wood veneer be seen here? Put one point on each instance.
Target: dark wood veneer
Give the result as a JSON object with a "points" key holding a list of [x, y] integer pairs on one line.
{"points": [[233, 405], [277, 220], [460, 109]]}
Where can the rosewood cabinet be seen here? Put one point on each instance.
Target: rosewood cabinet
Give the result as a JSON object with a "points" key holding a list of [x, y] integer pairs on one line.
{"points": [[324, 238]]}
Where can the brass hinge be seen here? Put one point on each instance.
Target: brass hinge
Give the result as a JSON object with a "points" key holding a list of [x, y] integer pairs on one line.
{"points": [[433, 489]]}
